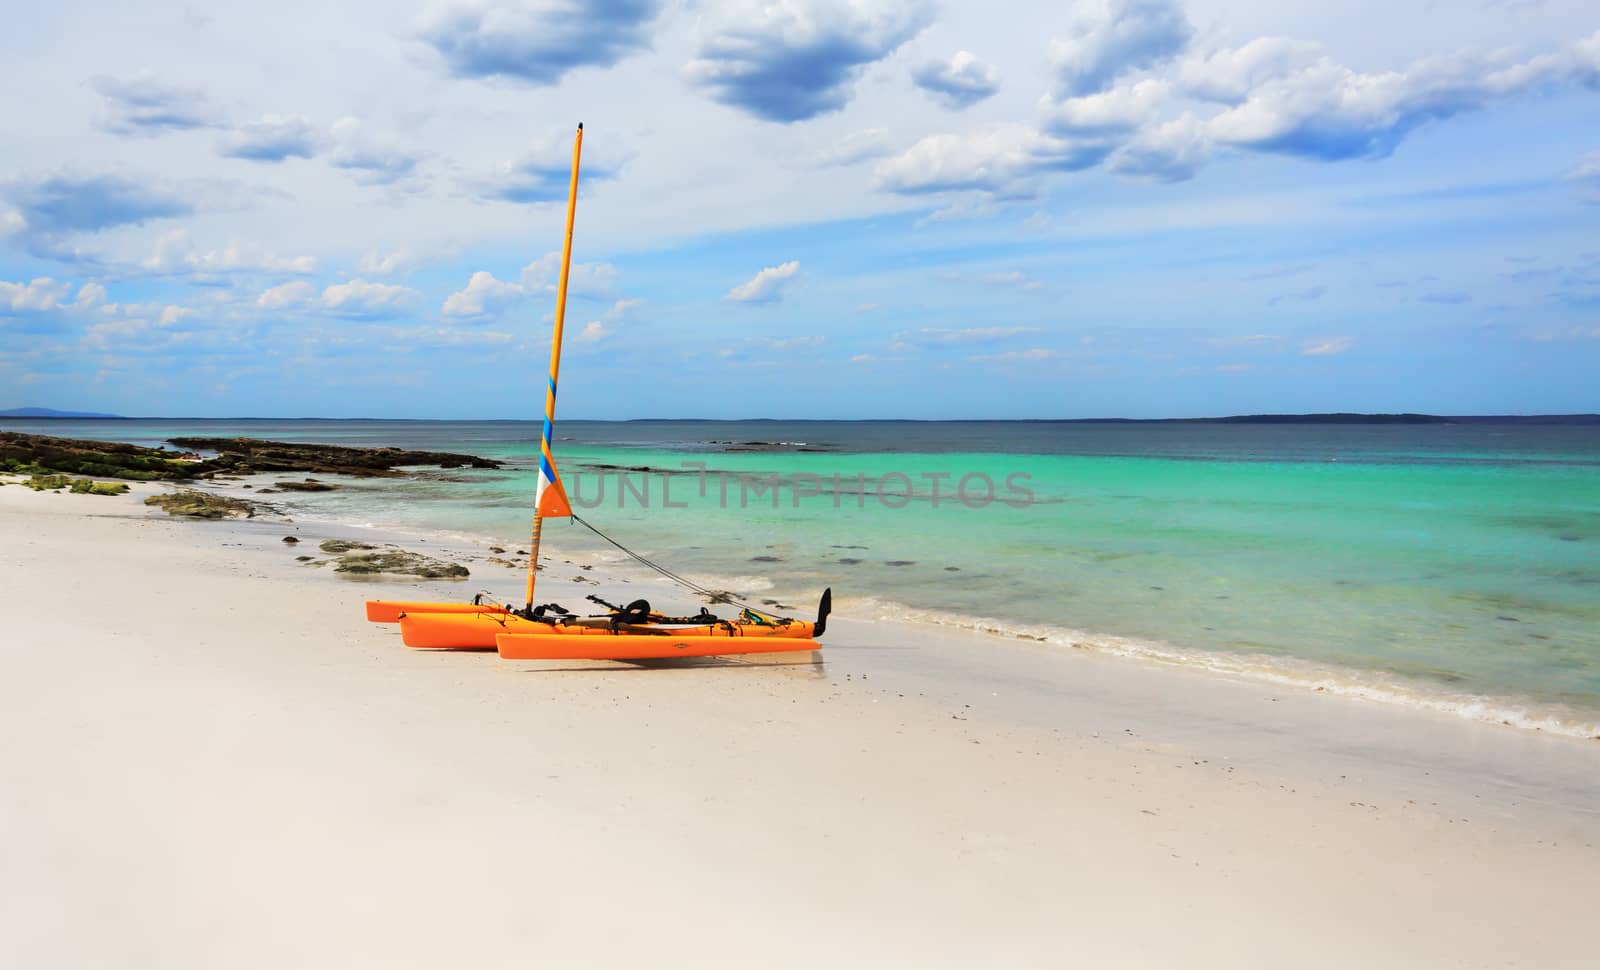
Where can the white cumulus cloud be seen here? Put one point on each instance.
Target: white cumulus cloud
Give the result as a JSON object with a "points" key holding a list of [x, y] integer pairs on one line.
{"points": [[583, 279], [375, 263], [1587, 178], [1110, 37], [1117, 109], [1231, 73], [858, 146], [967, 335], [535, 41], [1018, 356], [606, 326], [272, 139], [90, 295], [960, 82], [797, 59], [1326, 348], [175, 252], [483, 294], [1324, 110], [37, 295], [1004, 162], [172, 315], [286, 295], [362, 298], [766, 286]]}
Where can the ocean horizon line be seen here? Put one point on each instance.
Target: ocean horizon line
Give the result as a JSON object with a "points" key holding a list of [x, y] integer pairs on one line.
{"points": [[1311, 417]]}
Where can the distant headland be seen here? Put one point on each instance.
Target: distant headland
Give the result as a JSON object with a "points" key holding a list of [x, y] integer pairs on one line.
{"points": [[51, 413], [1344, 417]]}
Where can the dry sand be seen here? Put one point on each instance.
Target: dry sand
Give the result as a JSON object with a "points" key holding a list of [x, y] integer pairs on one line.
{"points": [[209, 760]]}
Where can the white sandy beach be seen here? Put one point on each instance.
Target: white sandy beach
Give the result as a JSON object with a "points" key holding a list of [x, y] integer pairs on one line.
{"points": [[211, 760]]}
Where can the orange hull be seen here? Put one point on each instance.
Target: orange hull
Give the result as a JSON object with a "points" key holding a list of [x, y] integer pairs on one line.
{"points": [[479, 631], [556, 646], [481, 628], [388, 611], [463, 631]]}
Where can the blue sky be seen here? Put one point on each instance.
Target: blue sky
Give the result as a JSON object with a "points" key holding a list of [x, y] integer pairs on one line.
{"points": [[802, 209]]}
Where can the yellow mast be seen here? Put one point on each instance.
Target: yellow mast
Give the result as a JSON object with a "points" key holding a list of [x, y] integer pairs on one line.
{"points": [[549, 481]]}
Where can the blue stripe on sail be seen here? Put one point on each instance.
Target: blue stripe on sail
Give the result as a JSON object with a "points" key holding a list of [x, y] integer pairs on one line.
{"points": [[549, 431], [547, 471]]}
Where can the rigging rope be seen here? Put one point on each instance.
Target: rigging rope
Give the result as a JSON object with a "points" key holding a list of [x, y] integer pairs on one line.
{"points": [[715, 595]]}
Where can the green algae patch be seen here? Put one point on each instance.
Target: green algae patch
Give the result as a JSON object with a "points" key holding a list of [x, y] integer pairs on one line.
{"points": [[77, 486], [201, 505], [85, 487], [338, 547]]}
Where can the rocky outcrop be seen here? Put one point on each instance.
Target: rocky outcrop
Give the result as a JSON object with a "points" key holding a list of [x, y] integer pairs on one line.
{"points": [[201, 505], [34, 453], [398, 562], [250, 454], [37, 453]]}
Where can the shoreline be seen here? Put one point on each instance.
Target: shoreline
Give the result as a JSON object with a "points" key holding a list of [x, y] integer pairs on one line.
{"points": [[1368, 685], [216, 742], [1503, 651]]}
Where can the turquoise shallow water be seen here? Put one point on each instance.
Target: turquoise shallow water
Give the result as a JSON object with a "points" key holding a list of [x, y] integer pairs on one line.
{"points": [[1456, 566]]}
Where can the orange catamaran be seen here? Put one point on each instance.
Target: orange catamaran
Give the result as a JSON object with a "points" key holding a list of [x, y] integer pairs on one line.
{"points": [[630, 632]]}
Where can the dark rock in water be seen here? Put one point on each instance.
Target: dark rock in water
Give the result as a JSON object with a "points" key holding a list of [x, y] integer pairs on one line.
{"points": [[522, 552], [603, 467], [291, 540], [248, 486], [201, 505], [1570, 538], [849, 547], [1159, 589], [952, 569], [304, 558], [309, 485], [268, 491], [236, 454], [766, 559], [847, 561], [335, 547], [900, 562], [1508, 619], [739, 446], [496, 550]]}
